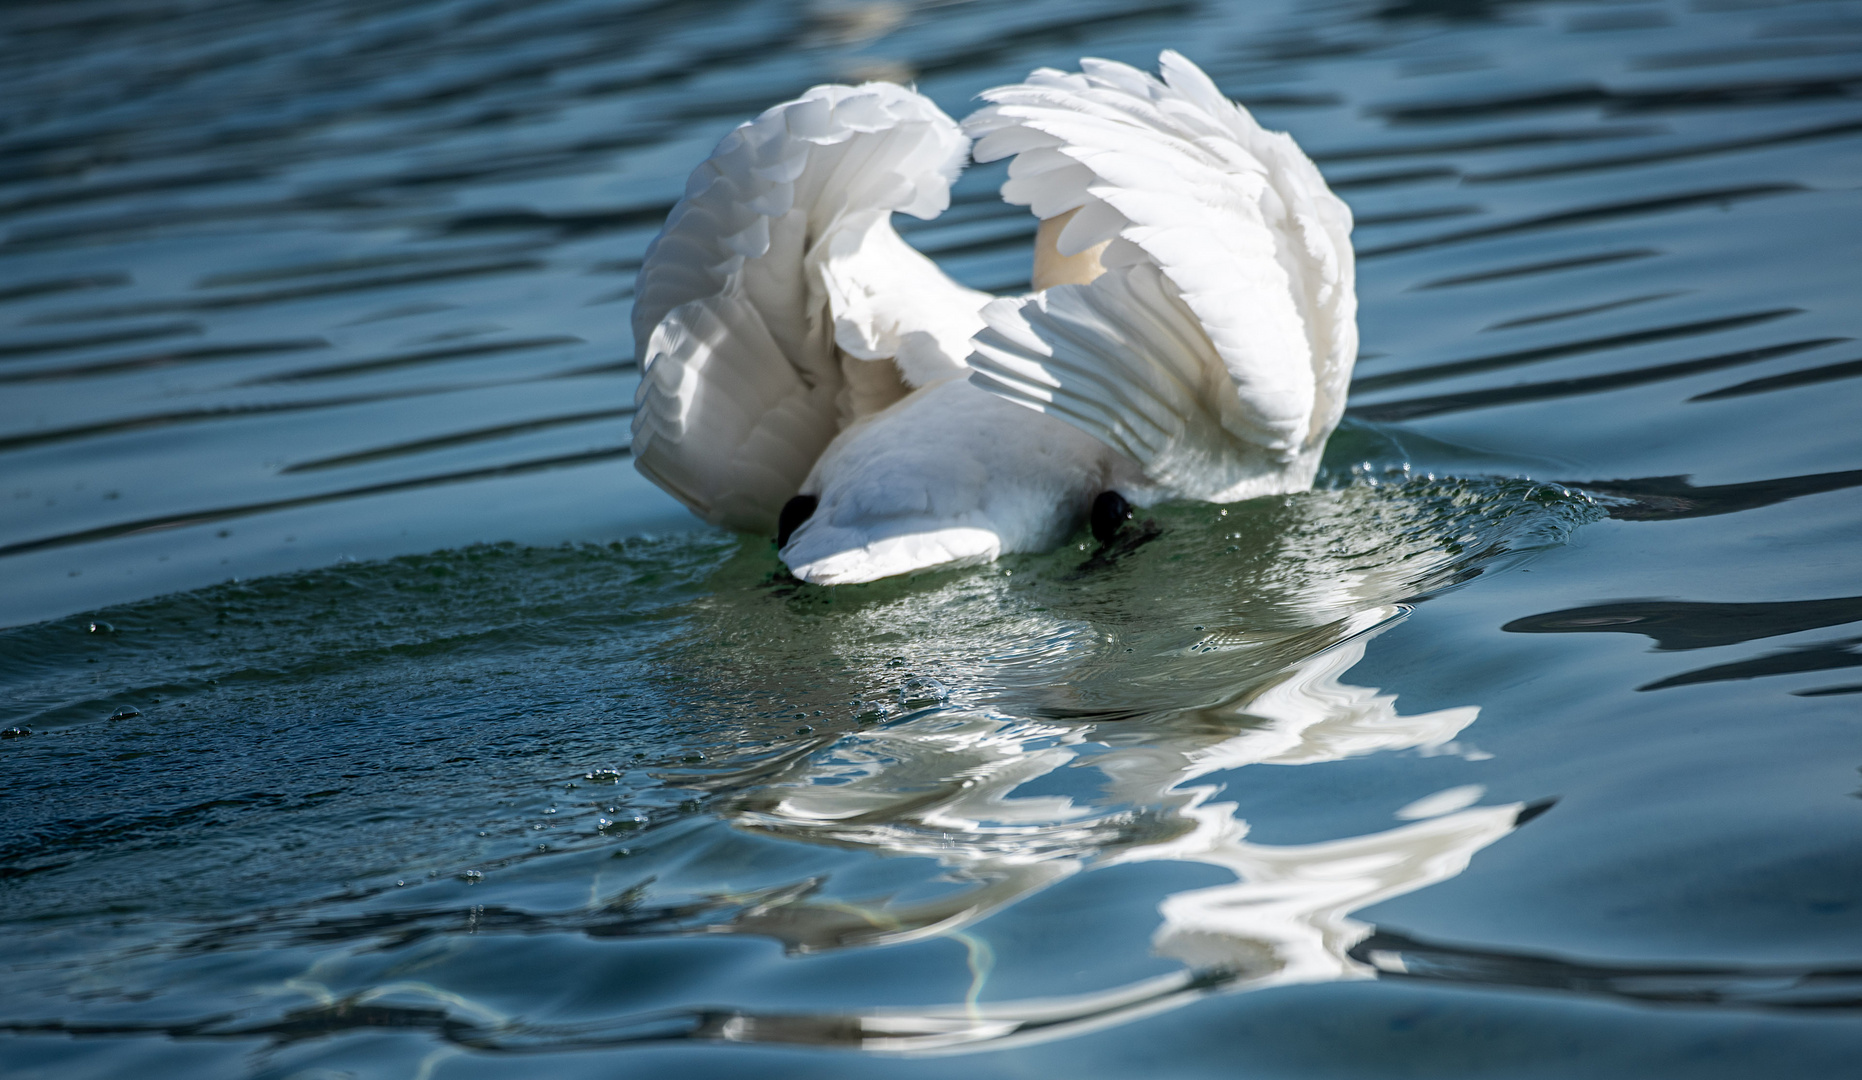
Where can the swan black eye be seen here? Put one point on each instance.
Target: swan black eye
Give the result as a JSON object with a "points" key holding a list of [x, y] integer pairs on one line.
{"points": [[794, 512], [1110, 510]]}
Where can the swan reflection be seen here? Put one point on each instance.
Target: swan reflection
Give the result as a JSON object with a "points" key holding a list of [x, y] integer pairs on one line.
{"points": [[944, 786]]}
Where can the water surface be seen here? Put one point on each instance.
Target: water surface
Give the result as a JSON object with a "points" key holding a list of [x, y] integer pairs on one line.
{"points": [[383, 722]]}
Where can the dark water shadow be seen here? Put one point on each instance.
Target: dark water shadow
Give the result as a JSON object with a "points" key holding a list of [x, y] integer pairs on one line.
{"points": [[1678, 624], [1672, 498]]}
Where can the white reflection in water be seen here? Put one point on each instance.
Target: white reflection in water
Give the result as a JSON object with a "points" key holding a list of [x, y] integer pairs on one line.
{"points": [[943, 787]]}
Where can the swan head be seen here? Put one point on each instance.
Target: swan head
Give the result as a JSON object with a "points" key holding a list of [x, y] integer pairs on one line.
{"points": [[848, 557], [951, 476]]}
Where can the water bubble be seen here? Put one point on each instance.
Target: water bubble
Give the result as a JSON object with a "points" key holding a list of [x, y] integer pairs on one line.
{"points": [[127, 712], [897, 662], [922, 692], [473, 876], [102, 628]]}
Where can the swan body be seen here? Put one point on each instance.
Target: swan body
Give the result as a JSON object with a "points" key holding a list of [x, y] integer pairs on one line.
{"points": [[996, 479], [1190, 332]]}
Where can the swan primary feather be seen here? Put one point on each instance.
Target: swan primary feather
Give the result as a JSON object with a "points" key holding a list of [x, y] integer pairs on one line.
{"points": [[1190, 334]]}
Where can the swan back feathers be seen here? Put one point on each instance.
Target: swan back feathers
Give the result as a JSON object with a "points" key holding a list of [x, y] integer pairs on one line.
{"points": [[1169, 173], [777, 269]]}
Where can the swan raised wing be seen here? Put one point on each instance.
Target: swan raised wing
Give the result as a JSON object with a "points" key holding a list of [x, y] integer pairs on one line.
{"points": [[1197, 309], [778, 305]]}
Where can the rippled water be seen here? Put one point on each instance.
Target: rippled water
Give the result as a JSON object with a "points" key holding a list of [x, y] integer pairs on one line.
{"points": [[383, 722]]}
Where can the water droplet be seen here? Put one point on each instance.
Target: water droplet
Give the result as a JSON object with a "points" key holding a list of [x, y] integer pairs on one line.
{"points": [[473, 876], [604, 776], [15, 733], [102, 628], [922, 692]]}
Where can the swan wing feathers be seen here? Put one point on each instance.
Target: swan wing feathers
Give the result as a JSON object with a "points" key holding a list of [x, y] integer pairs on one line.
{"points": [[1250, 276], [777, 266]]}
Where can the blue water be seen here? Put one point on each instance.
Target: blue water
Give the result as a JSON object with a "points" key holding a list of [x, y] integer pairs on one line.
{"points": [[367, 715]]}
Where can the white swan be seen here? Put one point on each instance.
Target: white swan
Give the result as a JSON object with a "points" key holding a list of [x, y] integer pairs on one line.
{"points": [[805, 371]]}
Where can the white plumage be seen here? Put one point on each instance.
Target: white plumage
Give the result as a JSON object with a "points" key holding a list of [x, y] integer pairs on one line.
{"points": [[1190, 337]]}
